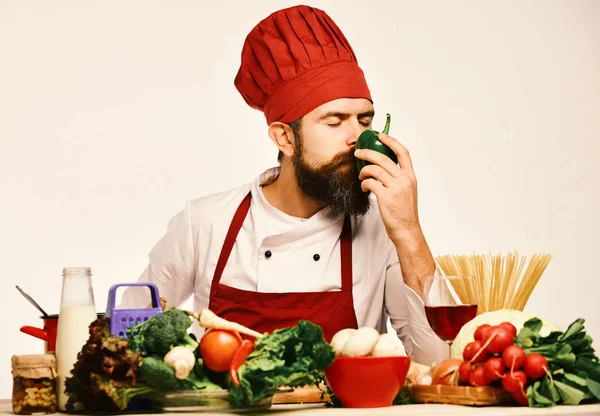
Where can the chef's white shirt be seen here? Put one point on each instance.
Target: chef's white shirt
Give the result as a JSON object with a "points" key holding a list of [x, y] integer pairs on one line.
{"points": [[183, 262]]}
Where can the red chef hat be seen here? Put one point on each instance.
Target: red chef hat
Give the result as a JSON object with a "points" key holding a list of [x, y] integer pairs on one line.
{"points": [[296, 60]]}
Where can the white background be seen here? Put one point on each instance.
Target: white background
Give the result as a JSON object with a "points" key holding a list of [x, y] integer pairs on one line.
{"points": [[113, 113]]}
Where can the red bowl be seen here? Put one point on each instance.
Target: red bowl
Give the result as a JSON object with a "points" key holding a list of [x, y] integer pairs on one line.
{"points": [[367, 381]]}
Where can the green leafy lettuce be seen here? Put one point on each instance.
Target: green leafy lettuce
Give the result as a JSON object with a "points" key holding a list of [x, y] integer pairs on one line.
{"points": [[573, 367], [290, 357]]}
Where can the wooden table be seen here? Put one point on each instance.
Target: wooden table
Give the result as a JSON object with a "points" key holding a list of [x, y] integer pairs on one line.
{"points": [[405, 410]]}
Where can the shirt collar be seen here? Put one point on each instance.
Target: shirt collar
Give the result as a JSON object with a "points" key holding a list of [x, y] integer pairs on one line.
{"points": [[320, 220]]}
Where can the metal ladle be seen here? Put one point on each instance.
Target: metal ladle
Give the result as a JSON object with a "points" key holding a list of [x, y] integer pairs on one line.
{"points": [[33, 302]]}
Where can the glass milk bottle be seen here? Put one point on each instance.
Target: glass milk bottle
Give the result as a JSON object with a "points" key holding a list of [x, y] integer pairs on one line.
{"points": [[77, 312]]}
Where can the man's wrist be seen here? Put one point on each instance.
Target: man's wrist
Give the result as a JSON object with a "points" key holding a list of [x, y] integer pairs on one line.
{"points": [[415, 258]]}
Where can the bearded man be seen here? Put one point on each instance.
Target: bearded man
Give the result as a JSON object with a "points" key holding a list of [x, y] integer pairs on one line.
{"points": [[312, 238]]}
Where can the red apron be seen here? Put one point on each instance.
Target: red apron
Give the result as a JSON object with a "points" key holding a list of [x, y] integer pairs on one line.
{"points": [[265, 312]]}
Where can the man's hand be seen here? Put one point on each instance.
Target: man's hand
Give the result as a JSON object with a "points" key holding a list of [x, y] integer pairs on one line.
{"points": [[395, 187], [163, 303]]}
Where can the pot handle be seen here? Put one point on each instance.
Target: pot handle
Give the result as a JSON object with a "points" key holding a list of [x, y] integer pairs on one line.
{"points": [[35, 332]]}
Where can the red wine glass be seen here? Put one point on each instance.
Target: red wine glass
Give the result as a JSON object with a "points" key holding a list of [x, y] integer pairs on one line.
{"points": [[450, 302]]}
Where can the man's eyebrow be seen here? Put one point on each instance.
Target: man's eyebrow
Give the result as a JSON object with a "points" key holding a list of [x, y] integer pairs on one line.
{"points": [[343, 116]]}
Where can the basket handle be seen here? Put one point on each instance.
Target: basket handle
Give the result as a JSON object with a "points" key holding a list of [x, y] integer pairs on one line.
{"points": [[112, 292]]}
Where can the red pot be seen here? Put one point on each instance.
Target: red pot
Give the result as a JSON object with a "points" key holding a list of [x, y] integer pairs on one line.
{"points": [[48, 333], [367, 381]]}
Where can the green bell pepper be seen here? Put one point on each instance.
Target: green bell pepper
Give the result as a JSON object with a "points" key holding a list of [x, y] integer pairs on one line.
{"points": [[368, 140]]}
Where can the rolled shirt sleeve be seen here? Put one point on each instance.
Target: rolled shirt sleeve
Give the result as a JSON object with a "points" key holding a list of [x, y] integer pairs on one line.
{"points": [[406, 311], [171, 265]]}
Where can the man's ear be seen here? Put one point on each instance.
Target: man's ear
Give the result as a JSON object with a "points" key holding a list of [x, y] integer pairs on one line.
{"points": [[283, 137]]}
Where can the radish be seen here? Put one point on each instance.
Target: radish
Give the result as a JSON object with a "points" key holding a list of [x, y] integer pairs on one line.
{"points": [[513, 357], [497, 339], [464, 370], [520, 397], [514, 381], [475, 352], [477, 377], [488, 333], [481, 329], [536, 366], [494, 369], [471, 349], [510, 327]]}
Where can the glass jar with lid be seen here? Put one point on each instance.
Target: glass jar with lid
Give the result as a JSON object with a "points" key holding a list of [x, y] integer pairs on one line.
{"points": [[34, 384]]}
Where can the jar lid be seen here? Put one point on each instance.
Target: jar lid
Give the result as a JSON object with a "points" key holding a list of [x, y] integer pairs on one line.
{"points": [[34, 365]]}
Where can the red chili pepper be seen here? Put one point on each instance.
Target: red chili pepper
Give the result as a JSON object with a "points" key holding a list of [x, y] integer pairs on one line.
{"points": [[242, 352]]}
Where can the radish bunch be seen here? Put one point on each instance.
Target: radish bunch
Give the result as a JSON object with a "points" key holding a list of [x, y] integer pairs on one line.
{"points": [[494, 359]]}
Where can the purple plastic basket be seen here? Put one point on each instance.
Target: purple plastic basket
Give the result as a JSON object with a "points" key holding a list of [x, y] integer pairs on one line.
{"points": [[121, 319]]}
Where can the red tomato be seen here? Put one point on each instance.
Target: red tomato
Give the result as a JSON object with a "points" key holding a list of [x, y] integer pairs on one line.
{"points": [[218, 347]]}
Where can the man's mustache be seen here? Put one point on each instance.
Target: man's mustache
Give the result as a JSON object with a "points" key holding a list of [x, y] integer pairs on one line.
{"points": [[343, 158]]}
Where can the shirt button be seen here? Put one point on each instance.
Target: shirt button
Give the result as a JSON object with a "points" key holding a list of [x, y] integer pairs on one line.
{"points": [[268, 253], [316, 257]]}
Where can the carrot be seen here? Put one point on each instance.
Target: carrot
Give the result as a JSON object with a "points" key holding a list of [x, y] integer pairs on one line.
{"points": [[207, 319]]}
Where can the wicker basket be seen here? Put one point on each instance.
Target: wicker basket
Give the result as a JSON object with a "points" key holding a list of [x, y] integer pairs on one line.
{"points": [[310, 394], [463, 395]]}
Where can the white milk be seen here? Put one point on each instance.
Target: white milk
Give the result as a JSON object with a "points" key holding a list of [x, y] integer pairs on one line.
{"points": [[72, 334]]}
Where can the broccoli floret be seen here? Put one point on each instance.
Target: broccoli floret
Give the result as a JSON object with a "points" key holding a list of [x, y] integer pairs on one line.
{"points": [[181, 322], [162, 332], [158, 375]]}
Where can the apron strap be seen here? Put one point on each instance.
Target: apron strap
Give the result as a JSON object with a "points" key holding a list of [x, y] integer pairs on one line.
{"points": [[232, 233], [346, 255], [236, 226]]}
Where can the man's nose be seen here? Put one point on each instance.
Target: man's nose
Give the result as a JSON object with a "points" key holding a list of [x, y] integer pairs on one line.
{"points": [[356, 131]]}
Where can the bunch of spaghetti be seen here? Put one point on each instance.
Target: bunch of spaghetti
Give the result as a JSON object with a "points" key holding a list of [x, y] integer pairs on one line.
{"points": [[499, 279]]}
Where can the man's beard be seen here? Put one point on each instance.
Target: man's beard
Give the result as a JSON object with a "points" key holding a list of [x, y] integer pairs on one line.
{"points": [[336, 183]]}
